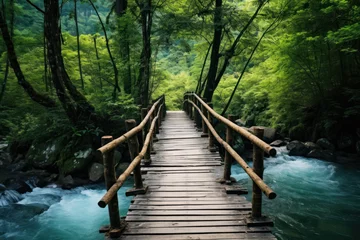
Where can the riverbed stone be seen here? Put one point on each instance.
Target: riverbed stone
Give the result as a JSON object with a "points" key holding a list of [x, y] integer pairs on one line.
{"points": [[269, 133], [297, 148], [326, 155], [325, 144], [278, 143], [96, 172], [312, 145], [18, 185]]}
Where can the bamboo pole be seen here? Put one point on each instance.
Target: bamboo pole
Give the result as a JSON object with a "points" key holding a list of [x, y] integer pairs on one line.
{"points": [[257, 180], [228, 158], [258, 167], [191, 111], [132, 132], [133, 145], [212, 147], [120, 181], [110, 179], [204, 127], [147, 156], [243, 132], [197, 116]]}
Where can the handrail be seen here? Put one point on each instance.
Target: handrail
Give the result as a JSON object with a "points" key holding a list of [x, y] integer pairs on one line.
{"points": [[113, 144], [259, 182], [122, 178], [251, 137]]}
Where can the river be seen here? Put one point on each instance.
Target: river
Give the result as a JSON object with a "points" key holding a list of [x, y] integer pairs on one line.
{"points": [[316, 200]]}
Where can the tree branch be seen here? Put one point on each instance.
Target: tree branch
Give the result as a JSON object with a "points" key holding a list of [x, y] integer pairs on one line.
{"points": [[36, 7]]}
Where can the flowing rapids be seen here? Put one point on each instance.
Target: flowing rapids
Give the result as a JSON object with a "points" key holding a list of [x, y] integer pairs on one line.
{"points": [[316, 200]]}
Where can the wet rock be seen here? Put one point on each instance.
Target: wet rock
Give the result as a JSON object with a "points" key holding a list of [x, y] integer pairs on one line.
{"points": [[20, 166], [278, 143], [67, 182], [22, 212], [297, 148], [325, 144], [79, 162], [326, 155], [8, 197], [48, 199], [2, 187], [312, 145], [96, 172], [269, 133], [345, 141], [18, 185], [44, 155]]}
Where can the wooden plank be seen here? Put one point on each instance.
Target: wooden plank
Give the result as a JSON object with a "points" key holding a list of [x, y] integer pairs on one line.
{"points": [[176, 168], [224, 199], [188, 203], [193, 207], [197, 230], [184, 213], [135, 218], [185, 224], [228, 236], [184, 194]]}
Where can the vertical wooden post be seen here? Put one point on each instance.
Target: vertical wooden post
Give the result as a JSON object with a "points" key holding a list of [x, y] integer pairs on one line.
{"points": [[197, 115], [153, 135], [212, 147], [205, 129], [258, 167], [133, 145], [110, 179], [191, 115], [228, 158], [153, 115], [164, 108], [157, 122], [147, 158], [186, 103]]}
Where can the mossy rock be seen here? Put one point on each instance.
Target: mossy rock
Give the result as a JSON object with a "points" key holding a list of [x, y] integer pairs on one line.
{"points": [[78, 162], [44, 155]]}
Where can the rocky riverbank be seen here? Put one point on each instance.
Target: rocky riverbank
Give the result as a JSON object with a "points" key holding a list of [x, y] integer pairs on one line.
{"points": [[24, 166]]}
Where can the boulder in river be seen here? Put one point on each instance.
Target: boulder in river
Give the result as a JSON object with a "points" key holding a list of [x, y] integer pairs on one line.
{"points": [[96, 172], [297, 148], [44, 155], [18, 185], [278, 143], [312, 145], [325, 144], [326, 155]]}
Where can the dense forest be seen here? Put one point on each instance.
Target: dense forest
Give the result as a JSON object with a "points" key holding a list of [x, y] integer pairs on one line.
{"points": [[72, 71]]}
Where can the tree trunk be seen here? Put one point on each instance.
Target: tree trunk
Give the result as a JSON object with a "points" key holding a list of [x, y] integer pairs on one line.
{"points": [[199, 84], [34, 95], [145, 59], [211, 77], [12, 16], [116, 72], [74, 103], [98, 61], [126, 59], [78, 43]]}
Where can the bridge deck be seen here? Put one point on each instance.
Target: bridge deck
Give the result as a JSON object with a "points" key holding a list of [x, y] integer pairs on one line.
{"points": [[184, 200]]}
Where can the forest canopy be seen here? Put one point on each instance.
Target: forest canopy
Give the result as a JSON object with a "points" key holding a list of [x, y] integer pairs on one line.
{"points": [[80, 68]]}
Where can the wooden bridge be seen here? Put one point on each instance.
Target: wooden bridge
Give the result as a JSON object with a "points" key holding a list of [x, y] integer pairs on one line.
{"points": [[183, 188]]}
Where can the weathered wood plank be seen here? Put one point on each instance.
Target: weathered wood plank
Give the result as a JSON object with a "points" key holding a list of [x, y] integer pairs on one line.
{"points": [[184, 213], [193, 207], [239, 217], [228, 236]]}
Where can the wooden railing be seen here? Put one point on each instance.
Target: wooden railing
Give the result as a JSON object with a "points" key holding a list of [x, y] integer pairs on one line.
{"points": [[148, 127], [202, 113]]}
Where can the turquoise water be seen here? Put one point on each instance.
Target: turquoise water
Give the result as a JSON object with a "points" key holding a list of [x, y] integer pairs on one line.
{"points": [[316, 200], [66, 214]]}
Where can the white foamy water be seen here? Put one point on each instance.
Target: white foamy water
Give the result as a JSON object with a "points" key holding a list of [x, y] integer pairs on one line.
{"points": [[315, 199]]}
